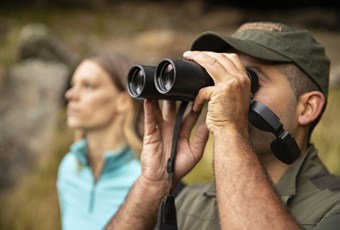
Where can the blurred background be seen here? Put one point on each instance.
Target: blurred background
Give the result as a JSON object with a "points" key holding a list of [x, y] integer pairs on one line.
{"points": [[41, 42]]}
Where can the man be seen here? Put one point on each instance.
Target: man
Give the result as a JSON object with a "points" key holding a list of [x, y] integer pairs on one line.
{"points": [[252, 188]]}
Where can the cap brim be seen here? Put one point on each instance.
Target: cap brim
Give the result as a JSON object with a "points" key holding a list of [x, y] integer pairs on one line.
{"points": [[211, 41]]}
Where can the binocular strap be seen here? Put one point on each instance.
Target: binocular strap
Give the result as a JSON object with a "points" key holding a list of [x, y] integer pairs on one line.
{"points": [[167, 219]]}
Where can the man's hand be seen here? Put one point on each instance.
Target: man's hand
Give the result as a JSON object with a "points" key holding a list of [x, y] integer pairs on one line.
{"points": [[229, 98], [139, 210], [159, 126]]}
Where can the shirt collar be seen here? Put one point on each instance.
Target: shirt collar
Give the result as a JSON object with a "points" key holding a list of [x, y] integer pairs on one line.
{"points": [[288, 182], [79, 150], [112, 158]]}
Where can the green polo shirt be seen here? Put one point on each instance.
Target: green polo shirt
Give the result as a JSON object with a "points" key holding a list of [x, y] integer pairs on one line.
{"points": [[309, 191]]}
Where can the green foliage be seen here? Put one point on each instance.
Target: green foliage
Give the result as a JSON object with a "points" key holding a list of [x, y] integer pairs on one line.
{"points": [[327, 133], [202, 173]]}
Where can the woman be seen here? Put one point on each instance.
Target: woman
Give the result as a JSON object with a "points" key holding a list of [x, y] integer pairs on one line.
{"points": [[95, 176]]}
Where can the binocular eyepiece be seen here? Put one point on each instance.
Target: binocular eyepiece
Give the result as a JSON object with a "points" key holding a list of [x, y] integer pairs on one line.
{"points": [[172, 79]]}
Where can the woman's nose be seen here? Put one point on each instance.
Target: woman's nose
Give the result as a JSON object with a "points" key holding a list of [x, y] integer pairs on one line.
{"points": [[71, 93]]}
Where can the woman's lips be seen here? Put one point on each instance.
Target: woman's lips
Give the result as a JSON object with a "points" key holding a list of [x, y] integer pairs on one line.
{"points": [[72, 111]]}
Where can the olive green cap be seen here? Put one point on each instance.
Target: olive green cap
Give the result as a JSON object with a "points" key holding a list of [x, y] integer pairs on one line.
{"points": [[273, 42]]}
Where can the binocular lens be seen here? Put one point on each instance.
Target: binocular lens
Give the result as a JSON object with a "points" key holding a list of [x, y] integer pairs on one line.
{"points": [[167, 78], [172, 79], [137, 82]]}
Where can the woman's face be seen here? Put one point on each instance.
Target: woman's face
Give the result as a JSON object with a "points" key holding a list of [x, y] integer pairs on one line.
{"points": [[92, 98]]}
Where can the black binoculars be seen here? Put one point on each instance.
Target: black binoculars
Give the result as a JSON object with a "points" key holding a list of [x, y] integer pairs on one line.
{"points": [[172, 79], [179, 79]]}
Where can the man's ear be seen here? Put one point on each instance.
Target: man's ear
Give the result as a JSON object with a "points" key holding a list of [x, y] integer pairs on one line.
{"points": [[310, 106]]}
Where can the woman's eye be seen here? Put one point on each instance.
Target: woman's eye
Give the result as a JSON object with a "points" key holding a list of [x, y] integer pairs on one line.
{"points": [[89, 86], [71, 85]]}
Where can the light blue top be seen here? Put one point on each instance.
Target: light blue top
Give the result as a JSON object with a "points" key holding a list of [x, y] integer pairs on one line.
{"points": [[89, 204]]}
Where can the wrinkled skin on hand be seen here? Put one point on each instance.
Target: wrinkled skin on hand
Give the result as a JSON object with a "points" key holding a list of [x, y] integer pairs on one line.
{"points": [[159, 125]]}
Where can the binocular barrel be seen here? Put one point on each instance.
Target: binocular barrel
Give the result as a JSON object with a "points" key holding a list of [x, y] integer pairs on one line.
{"points": [[171, 79], [141, 82]]}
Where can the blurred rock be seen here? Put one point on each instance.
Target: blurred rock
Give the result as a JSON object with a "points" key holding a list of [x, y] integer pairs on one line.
{"points": [[37, 41], [31, 95]]}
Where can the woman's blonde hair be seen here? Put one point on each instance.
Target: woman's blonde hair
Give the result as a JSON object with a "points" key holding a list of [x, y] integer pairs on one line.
{"points": [[117, 66]]}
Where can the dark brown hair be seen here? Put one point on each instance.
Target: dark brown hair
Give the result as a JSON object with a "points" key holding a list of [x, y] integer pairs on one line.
{"points": [[300, 84]]}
